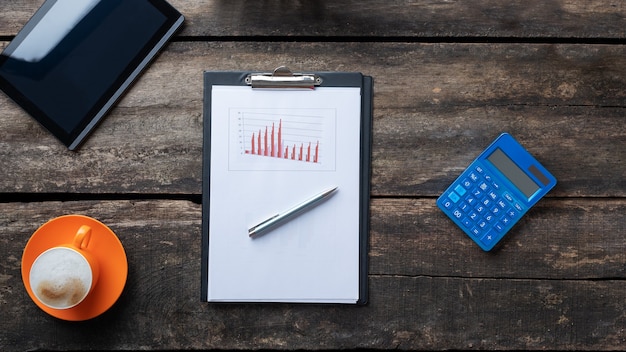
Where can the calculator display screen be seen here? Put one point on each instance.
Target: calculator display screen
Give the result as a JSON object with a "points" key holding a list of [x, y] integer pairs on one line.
{"points": [[516, 175]]}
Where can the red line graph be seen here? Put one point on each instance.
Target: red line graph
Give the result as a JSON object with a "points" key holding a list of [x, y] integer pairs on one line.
{"points": [[268, 142]]}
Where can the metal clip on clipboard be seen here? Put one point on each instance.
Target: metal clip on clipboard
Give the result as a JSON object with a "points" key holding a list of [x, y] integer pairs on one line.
{"points": [[282, 77]]}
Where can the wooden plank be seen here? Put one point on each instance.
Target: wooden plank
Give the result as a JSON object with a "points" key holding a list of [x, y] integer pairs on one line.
{"points": [[573, 239], [405, 313], [421, 152], [407, 75], [435, 108], [570, 19], [557, 239], [15, 14], [381, 18], [432, 314], [482, 301]]}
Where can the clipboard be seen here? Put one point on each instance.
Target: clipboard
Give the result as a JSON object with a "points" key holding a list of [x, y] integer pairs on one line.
{"points": [[272, 140]]}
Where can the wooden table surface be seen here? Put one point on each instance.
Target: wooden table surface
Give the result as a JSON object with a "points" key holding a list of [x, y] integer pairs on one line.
{"points": [[449, 77]]}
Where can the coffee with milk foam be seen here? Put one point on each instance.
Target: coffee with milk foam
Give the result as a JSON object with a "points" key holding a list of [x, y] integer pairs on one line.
{"points": [[60, 277]]}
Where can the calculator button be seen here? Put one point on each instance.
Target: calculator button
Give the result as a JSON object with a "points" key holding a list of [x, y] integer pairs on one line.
{"points": [[454, 197], [470, 200], [508, 197], [493, 195], [448, 204], [518, 207], [473, 177], [488, 238], [477, 193], [483, 187], [480, 208], [496, 211], [474, 216], [488, 178], [457, 213], [480, 169], [501, 203], [495, 185], [487, 202], [475, 231], [498, 227], [467, 222], [511, 213], [460, 190], [490, 218], [482, 224], [465, 207]]}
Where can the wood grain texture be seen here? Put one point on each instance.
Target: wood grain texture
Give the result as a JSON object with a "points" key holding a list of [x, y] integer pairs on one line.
{"points": [[382, 18], [436, 107], [449, 76], [555, 293], [573, 239]]}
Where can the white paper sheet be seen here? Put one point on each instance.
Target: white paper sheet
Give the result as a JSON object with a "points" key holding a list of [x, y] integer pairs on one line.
{"points": [[315, 256]]}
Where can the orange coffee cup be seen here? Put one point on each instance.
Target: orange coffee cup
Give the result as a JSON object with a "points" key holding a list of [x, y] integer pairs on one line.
{"points": [[63, 276]]}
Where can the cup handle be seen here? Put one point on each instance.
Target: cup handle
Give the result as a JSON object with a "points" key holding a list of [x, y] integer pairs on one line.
{"points": [[82, 237]]}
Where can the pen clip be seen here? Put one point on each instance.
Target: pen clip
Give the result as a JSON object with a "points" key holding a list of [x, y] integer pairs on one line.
{"points": [[282, 77]]}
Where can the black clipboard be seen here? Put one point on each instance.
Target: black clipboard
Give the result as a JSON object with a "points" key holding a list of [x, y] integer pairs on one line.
{"points": [[279, 81]]}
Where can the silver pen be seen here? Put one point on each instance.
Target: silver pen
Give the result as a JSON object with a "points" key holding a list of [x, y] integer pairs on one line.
{"points": [[279, 218]]}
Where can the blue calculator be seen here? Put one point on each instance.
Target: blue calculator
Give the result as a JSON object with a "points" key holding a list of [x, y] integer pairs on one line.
{"points": [[493, 193]]}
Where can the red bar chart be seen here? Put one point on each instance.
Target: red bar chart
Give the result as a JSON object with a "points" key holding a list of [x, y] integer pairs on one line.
{"points": [[269, 142], [297, 138]]}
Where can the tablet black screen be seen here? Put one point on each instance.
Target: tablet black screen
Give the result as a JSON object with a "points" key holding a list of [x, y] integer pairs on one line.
{"points": [[74, 59]]}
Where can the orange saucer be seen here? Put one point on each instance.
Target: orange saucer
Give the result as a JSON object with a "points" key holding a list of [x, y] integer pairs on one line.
{"points": [[109, 252]]}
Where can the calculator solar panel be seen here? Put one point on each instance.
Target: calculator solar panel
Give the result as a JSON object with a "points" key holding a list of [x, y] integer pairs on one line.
{"points": [[74, 58]]}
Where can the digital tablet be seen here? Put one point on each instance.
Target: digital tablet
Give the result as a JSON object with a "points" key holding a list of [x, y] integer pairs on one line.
{"points": [[74, 59]]}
